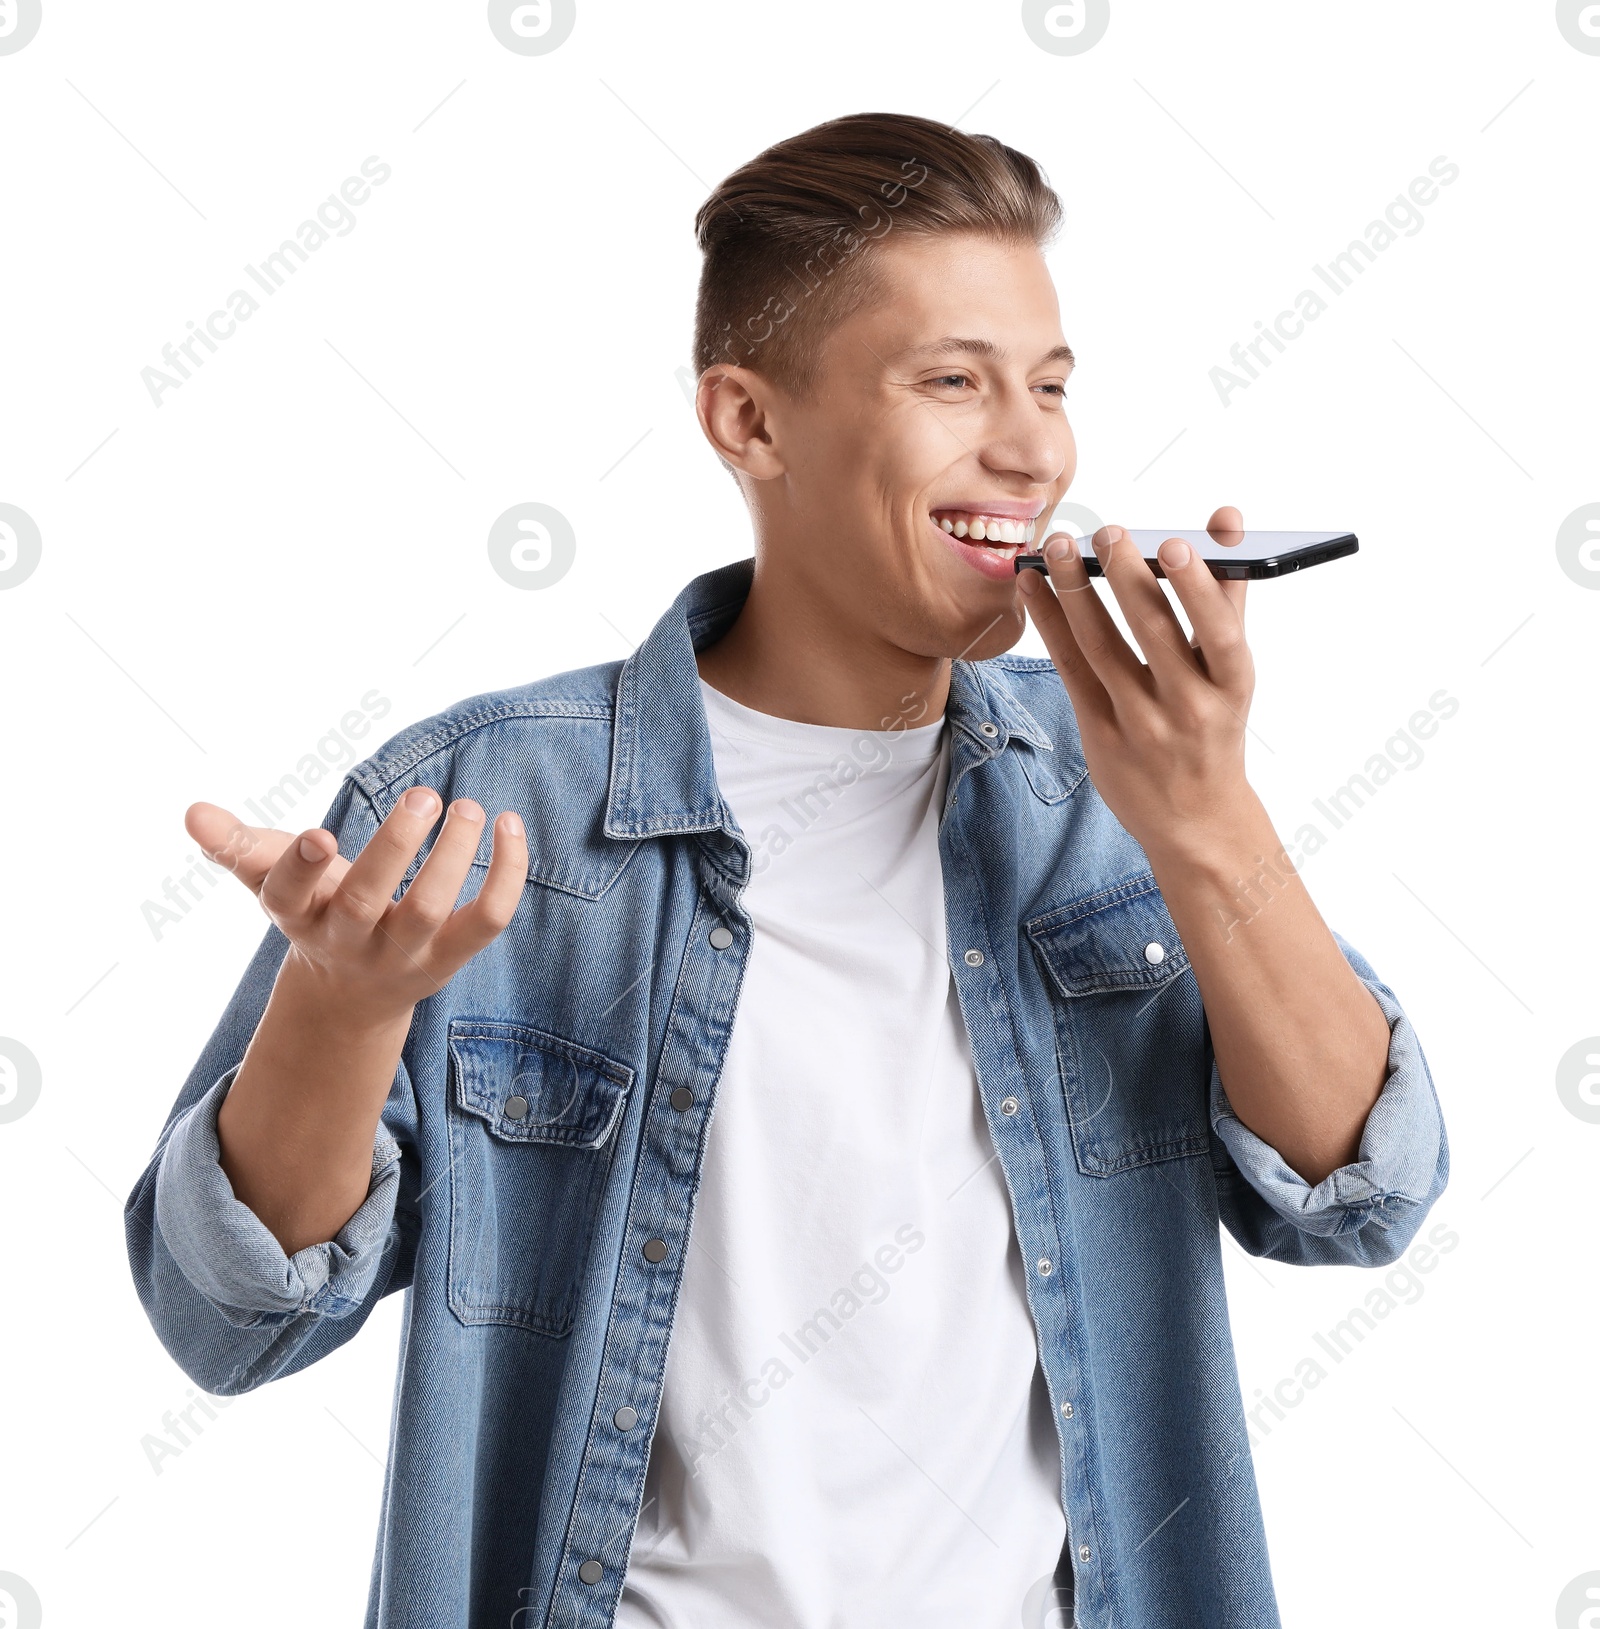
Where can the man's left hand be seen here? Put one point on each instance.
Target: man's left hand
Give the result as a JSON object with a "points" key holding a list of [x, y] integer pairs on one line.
{"points": [[1163, 738]]}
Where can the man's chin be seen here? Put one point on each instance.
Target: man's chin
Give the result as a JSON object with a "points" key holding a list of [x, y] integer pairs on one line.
{"points": [[975, 639]]}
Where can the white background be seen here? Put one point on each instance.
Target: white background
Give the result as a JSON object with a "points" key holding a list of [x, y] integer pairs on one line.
{"points": [[304, 521]]}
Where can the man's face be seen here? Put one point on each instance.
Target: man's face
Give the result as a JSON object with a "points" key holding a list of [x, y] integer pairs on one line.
{"points": [[938, 411]]}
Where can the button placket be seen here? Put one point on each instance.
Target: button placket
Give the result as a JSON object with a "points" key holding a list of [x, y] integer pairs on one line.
{"points": [[681, 1057], [1026, 1173]]}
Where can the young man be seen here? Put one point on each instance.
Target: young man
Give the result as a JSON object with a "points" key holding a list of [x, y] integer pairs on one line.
{"points": [[805, 1148]]}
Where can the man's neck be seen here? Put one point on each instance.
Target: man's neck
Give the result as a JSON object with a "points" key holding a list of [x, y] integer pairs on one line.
{"points": [[792, 655]]}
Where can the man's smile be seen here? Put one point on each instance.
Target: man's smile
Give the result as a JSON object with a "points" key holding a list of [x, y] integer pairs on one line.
{"points": [[988, 535]]}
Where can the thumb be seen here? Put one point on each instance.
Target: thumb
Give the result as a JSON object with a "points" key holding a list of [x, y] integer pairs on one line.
{"points": [[247, 851]]}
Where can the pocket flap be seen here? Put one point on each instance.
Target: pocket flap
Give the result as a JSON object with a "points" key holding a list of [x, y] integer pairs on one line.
{"points": [[1119, 939], [530, 1086]]}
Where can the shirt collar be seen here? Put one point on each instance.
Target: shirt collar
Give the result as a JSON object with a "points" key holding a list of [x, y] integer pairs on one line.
{"points": [[663, 776]]}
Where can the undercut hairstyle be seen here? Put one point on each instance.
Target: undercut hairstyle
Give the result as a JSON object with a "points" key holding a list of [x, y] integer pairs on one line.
{"points": [[788, 240]]}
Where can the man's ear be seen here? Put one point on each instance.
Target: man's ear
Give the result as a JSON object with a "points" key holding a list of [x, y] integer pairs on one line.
{"points": [[737, 409]]}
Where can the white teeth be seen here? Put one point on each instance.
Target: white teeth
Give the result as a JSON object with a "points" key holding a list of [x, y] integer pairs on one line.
{"points": [[1006, 537]]}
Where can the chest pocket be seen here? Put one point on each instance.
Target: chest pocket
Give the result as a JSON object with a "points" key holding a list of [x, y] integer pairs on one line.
{"points": [[1130, 1028], [532, 1134]]}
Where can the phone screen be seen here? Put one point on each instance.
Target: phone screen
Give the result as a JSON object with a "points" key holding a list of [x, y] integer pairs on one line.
{"points": [[1247, 553]]}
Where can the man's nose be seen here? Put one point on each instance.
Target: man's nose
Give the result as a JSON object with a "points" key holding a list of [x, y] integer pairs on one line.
{"points": [[1024, 441]]}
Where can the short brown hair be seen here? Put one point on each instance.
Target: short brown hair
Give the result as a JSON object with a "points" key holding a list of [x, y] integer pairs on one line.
{"points": [[787, 238]]}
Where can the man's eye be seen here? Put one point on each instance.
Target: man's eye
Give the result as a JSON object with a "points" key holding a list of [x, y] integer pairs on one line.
{"points": [[951, 379], [1058, 390]]}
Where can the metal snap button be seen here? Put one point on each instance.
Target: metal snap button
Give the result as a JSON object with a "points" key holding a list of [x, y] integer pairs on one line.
{"points": [[1046, 1266], [516, 1107], [988, 728], [591, 1572], [1066, 1411], [625, 1419], [655, 1249], [973, 958], [681, 1098], [1008, 1105], [1083, 1552], [1155, 952], [721, 938]]}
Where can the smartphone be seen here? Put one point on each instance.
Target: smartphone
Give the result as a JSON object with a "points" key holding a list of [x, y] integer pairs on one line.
{"points": [[1228, 554]]}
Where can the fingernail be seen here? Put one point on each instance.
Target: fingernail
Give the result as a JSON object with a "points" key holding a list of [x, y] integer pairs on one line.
{"points": [[1059, 550], [513, 824], [1174, 553], [1027, 582], [309, 850], [420, 800]]}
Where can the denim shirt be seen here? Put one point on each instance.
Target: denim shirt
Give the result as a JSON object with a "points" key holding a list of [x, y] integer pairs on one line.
{"points": [[534, 1172]]}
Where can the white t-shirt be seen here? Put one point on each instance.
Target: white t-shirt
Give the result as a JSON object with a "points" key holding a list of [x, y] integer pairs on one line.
{"points": [[854, 1428]]}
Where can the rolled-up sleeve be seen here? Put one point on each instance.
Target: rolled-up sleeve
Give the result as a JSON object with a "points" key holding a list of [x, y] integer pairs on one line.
{"points": [[227, 1252], [1363, 1213]]}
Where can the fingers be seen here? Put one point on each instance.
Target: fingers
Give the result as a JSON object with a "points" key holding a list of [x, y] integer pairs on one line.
{"points": [[289, 890], [1219, 647], [1226, 527], [249, 852], [1095, 634], [475, 924], [1064, 636], [369, 885], [434, 890]]}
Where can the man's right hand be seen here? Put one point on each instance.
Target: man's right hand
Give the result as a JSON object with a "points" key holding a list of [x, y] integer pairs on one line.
{"points": [[296, 1126], [373, 956]]}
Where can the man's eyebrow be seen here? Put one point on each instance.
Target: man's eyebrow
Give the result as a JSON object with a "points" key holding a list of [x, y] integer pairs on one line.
{"points": [[953, 345]]}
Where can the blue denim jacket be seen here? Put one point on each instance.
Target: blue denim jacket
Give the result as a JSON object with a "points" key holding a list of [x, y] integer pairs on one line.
{"points": [[534, 1312]]}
